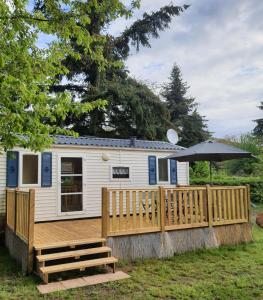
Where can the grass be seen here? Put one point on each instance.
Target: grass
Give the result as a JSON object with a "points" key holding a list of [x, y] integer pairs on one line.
{"points": [[224, 273], [258, 208]]}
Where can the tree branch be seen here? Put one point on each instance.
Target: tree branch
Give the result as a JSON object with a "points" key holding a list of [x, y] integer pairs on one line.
{"points": [[69, 87], [149, 26]]}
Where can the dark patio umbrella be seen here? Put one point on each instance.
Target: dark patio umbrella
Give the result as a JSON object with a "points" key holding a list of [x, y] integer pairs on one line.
{"points": [[210, 151]]}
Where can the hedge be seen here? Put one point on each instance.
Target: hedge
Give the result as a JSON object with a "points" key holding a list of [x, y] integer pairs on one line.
{"points": [[256, 185]]}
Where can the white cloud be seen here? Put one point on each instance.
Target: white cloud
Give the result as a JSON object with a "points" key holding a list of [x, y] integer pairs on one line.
{"points": [[218, 46]]}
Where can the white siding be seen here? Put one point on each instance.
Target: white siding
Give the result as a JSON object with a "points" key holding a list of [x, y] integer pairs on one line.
{"points": [[96, 175]]}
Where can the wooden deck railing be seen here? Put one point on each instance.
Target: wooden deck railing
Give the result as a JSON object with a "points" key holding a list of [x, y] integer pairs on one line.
{"points": [[20, 216], [20, 212], [229, 205], [131, 211]]}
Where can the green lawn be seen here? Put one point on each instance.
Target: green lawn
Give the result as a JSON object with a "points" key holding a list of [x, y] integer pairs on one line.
{"points": [[258, 208], [225, 273]]}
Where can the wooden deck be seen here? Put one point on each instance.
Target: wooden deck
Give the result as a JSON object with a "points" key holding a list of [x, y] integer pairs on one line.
{"points": [[126, 212], [66, 231]]}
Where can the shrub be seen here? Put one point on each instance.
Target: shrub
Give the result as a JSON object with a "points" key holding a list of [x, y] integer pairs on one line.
{"points": [[199, 169], [245, 166], [256, 184]]}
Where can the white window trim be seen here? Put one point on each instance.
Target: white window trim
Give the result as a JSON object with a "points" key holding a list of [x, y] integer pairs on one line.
{"points": [[121, 179], [38, 184], [168, 170], [70, 213]]}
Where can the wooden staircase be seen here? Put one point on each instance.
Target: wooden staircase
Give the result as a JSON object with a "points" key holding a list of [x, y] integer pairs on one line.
{"points": [[72, 255]]}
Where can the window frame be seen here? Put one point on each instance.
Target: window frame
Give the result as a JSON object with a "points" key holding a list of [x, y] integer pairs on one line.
{"points": [[21, 184], [168, 170], [120, 166]]}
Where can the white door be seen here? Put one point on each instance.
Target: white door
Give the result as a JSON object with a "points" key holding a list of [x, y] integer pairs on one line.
{"points": [[71, 192]]}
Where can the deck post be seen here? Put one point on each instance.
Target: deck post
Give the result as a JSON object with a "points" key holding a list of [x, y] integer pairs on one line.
{"points": [[162, 204], [105, 212], [31, 224], [248, 204], [15, 210], [209, 205]]}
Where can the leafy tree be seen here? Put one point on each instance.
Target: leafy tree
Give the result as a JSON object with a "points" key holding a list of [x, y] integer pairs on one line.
{"points": [[258, 130], [183, 110], [94, 82], [28, 108]]}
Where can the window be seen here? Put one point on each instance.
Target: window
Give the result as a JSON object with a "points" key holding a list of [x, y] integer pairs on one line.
{"points": [[30, 169], [120, 172], [163, 169]]}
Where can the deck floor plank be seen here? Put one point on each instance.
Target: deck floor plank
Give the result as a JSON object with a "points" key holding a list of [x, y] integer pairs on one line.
{"points": [[65, 231]]}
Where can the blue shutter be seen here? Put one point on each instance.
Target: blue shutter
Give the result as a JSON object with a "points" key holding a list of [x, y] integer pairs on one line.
{"points": [[152, 170], [173, 171], [12, 169], [46, 169]]}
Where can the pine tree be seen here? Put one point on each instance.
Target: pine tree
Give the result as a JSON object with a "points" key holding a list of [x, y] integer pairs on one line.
{"points": [[183, 110], [258, 130]]}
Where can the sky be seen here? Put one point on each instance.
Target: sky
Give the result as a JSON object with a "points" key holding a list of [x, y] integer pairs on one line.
{"points": [[218, 45]]}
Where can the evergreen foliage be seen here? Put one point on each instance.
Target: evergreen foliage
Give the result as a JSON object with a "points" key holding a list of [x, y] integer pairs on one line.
{"points": [[183, 110], [132, 110], [258, 130]]}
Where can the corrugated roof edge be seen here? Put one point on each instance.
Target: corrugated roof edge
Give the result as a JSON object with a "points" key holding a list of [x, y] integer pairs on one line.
{"points": [[114, 143]]}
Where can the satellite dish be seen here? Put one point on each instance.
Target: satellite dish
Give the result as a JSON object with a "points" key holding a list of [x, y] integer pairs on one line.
{"points": [[172, 136]]}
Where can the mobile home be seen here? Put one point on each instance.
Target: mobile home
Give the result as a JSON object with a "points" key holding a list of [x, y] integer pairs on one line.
{"points": [[68, 177]]}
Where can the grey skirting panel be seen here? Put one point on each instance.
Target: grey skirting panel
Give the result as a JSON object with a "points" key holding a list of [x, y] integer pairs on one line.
{"points": [[160, 245]]}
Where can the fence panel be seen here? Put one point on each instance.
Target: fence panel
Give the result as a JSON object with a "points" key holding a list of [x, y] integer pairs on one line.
{"points": [[229, 204], [10, 209], [20, 213], [133, 211], [185, 207]]}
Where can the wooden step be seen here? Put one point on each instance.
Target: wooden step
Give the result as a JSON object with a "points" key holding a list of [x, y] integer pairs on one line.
{"points": [[80, 265], [72, 243], [74, 253]]}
